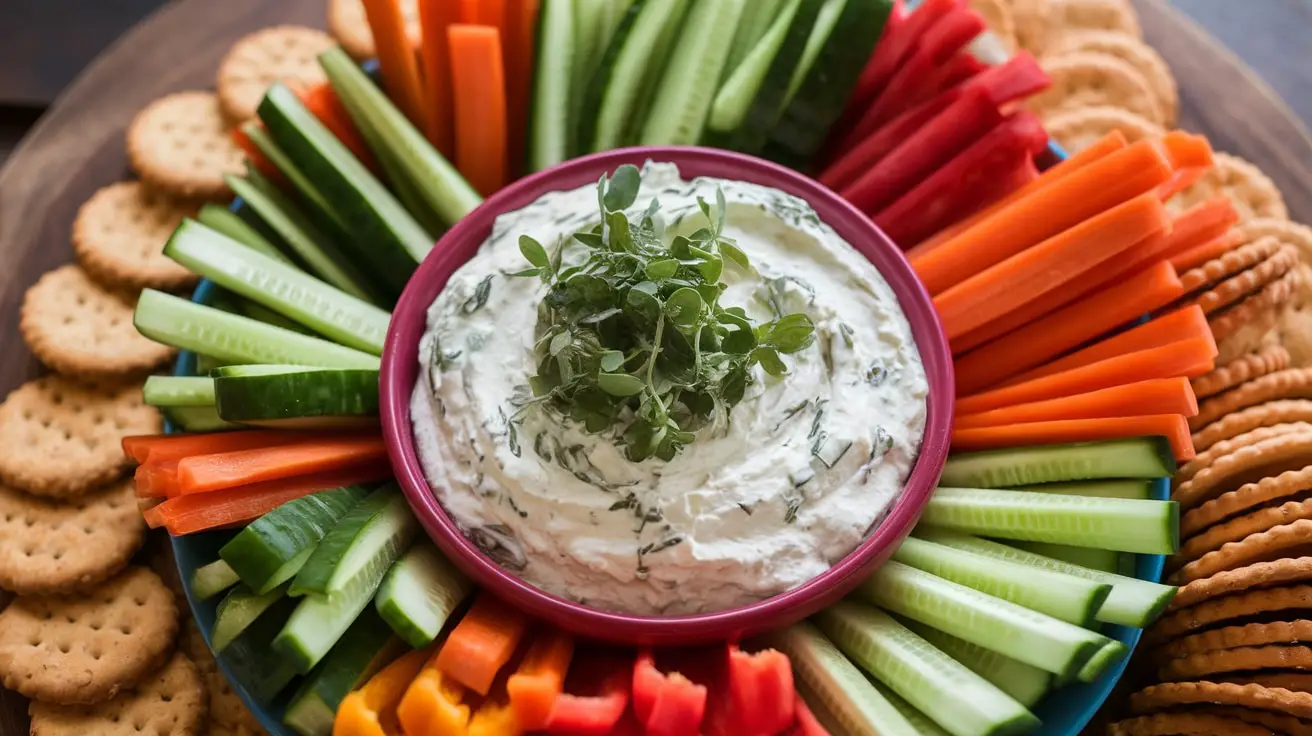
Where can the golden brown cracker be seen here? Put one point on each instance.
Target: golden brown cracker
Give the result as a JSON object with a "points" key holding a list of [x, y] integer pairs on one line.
{"points": [[159, 557], [349, 25], [192, 643], [1269, 359], [287, 54], [1263, 415], [1182, 620], [1296, 234], [1252, 578], [1241, 527], [1273, 723], [1289, 447], [1253, 192], [1069, 16], [1290, 383], [77, 651], [1080, 127], [1206, 665], [180, 144], [1237, 637], [48, 548], [1296, 681], [1248, 332], [1262, 308], [1134, 52], [79, 328], [1208, 458], [1185, 724], [1177, 694], [226, 707], [1242, 284], [1285, 540], [1229, 263], [171, 701], [997, 14], [1087, 78], [1032, 27], [119, 236], [61, 438]]}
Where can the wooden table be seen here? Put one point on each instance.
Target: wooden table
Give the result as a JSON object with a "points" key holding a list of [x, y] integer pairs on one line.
{"points": [[77, 147]]}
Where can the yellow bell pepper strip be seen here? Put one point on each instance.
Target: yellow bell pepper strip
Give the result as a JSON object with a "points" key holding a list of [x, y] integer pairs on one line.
{"points": [[432, 705], [494, 717], [482, 643], [540, 679], [597, 713], [666, 704], [371, 710]]}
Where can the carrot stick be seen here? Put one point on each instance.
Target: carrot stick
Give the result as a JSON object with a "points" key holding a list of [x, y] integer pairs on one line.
{"points": [[1187, 150], [396, 58], [1153, 396], [479, 91], [1050, 265], [435, 58], [1070, 200], [1171, 426], [154, 447], [205, 473], [1214, 248], [484, 13], [1182, 324], [521, 22], [1172, 360], [482, 643], [1067, 328], [202, 511], [1108, 144], [156, 479], [533, 689], [323, 103], [1181, 180]]}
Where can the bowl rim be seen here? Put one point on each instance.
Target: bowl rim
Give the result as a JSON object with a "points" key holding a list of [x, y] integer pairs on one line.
{"points": [[400, 371]]}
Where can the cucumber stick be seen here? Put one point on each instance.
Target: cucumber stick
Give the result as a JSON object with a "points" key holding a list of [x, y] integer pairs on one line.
{"points": [[758, 18], [1132, 602], [299, 398], [687, 88], [234, 339], [419, 593], [1140, 490], [329, 311], [1091, 557], [1125, 525], [1143, 457], [364, 542], [363, 650], [196, 418], [247, 657], [847, 696], [431, 176], [178, 391], [924, 725], [1026, 683], [1112, 652], [557, 47], [210, 580], [308, 191], [224, 220], [271, 550], [1002, 626], [1071, 599], [957, 699], [237, 611]]}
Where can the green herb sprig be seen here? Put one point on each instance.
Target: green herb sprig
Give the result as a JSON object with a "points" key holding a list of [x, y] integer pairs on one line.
{"points": [[634, 339]]}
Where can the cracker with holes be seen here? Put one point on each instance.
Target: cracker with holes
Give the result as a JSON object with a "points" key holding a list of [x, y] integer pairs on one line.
{"points": [[1277, 542], [1134, 52], [171, 701], [1180, 694], [1032, 29], [1291, 383], [1253, 192], [1269, 359], [1239, 528], [1250, 324], [61, 438], [1248, 462], [1078, 128], [287, 54], [1289, 485], [1185, 724], [227, 711], [1233, 583], [1086, 78], [1297, 235], [1210, 664], [1243, 284], [79, 328], [86, 650], [1236, 637], [1285, 411], [1070, 16], [1228, 608], [998, 16], [50, 547], [180, 144], [349, 25], [119, 237]]}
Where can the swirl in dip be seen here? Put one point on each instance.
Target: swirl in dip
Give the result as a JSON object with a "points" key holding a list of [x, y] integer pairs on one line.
{"points": [[806, 465]]}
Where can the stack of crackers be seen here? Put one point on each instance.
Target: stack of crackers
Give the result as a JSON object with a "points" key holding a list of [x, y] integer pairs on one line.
{"points": [[98, 636]]}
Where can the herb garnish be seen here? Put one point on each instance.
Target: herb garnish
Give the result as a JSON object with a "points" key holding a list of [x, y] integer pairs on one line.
{"points": [[634, 338]]}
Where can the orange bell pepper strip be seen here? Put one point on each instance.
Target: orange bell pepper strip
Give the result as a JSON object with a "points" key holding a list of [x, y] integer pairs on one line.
{"points": [[495, 717], [371, 710], [540, 679], [432, 704]]}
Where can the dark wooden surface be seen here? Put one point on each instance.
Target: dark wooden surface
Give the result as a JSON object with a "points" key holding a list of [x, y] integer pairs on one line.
{"points": [[77, 146]]}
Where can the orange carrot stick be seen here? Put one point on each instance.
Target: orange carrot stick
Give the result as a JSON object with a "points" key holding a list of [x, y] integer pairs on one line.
{"points": [[1050, 265], [396, 58], [484, 13], [533, 689], [435, 57], [482, 643], [1214, 248], [322, 101], [1049, 210], [1187, 150], [202, 511], [1182, 324], [156, 479], [1187, 358], [479, 90], [520, 29], [1154, 396], [1108, 144], [1171, 426], [142, 448], [205, 473], [1067, 328]]}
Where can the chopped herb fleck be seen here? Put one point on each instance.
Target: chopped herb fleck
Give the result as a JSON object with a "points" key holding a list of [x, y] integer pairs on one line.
{"points": [[479, 299]]}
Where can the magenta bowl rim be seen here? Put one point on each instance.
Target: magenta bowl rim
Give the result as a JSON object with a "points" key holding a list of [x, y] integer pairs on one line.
{"points": [[400, 370]]}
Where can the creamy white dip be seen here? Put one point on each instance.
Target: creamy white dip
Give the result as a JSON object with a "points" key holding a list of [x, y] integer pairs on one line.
{"points": [[808, 464]]}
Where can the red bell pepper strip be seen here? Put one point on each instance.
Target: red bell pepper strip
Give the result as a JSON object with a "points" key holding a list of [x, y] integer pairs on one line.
{"points": [[857, 155], [934, 145], [807, 723], [896, 46], [255, 155], [937, 200], [902, 86], [761, 691], [667, 704], [960, 68], [950, 34], [594, 714]]}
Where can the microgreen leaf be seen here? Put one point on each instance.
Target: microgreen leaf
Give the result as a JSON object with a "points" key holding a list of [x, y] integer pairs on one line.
{"points": [[534, 252], [622, 189], [663, 269], [770, 361], [612, 360], [684, 307], [621, 384]]}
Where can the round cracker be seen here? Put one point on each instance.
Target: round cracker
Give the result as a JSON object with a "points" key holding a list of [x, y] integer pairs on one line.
{"points": [[1290, 383], [287, 54], [1273, 723], [1289, 485], [350, 26], [180, 144], [1286, 411], [61, 438], [1257, 334], [1284, 541], [1267, 360], [226, 707], [80, 651], [79, 328], [1087, 78], [119, 236], [1206, 459], [1298, 235], [1253, 192], [1210, 664], [1241, 527], [1176, 694], [1296, 681], [1294, 328], [1246, 464], [1185, 724], [172, 701], [50, 548], [1072, 16], [1078, 128], [1234, 583], [1229, 263], [1245, 283], [1261, 309], [1134, 52], [1237, 637], [1032, 24], [998, 16]]}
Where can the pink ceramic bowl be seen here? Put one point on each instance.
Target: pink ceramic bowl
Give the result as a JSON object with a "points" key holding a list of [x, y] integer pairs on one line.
{"points": [[401, 369]]}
